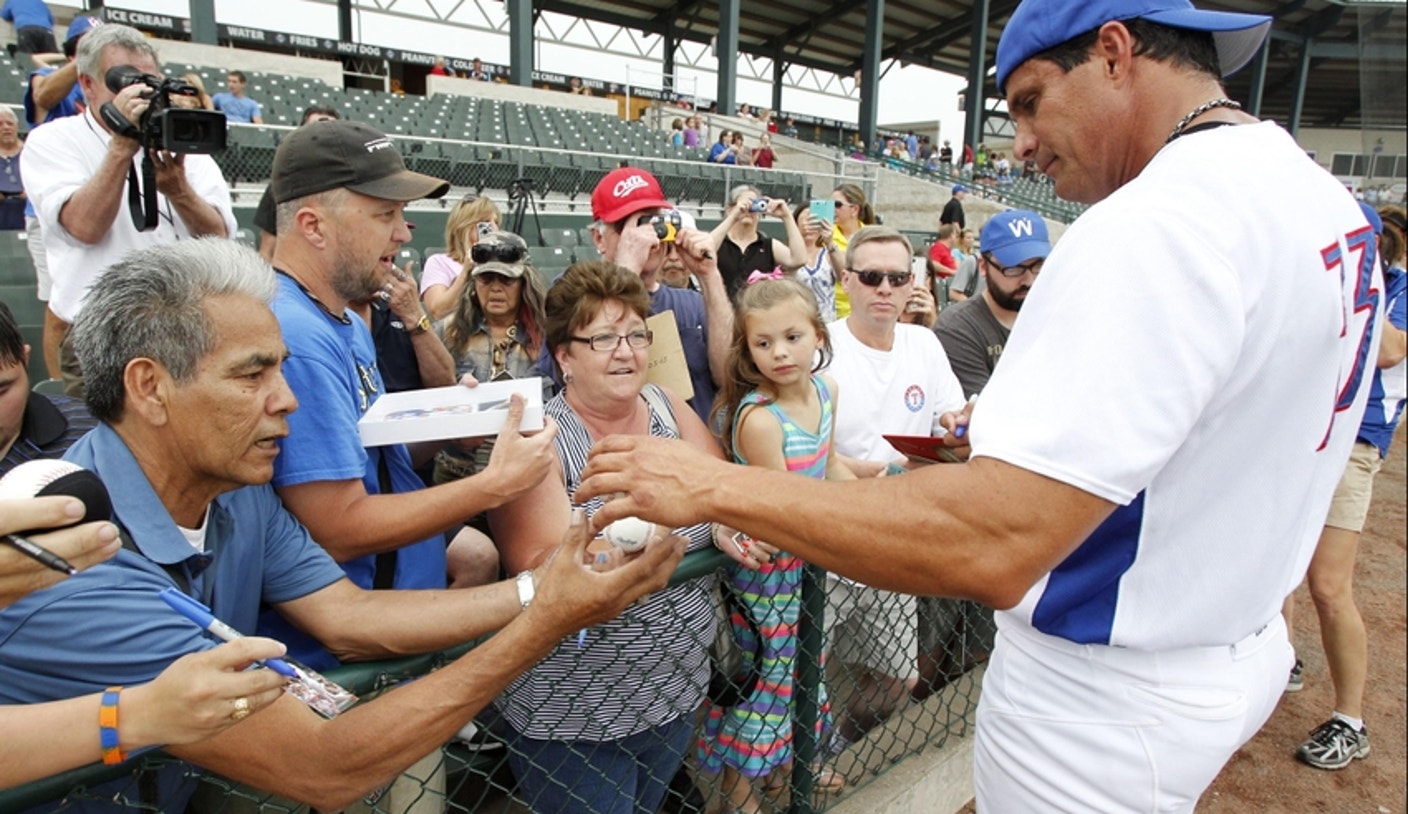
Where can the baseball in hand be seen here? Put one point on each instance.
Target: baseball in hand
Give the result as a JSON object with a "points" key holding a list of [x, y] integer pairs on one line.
{"points": [[629, 533]]}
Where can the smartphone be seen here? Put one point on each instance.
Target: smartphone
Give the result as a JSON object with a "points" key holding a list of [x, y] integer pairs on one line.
{"points": [[824, 209]]}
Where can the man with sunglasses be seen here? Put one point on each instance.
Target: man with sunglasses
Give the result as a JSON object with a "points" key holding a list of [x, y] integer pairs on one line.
{"points": [[340, 188], [634, 227], [896, 381], [974, 331]]}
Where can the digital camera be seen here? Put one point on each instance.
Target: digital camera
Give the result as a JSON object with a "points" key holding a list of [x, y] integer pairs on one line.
{"points": [[760, 205], [163, 126], [667, 225]]}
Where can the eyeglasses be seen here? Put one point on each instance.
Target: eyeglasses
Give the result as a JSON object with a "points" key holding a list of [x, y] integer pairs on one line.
{"points": [[602, 343], [1033, 266], [484, 253], [873, 278], [491, 277]]}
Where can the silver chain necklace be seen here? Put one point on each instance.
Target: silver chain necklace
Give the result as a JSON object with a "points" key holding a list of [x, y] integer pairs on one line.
{"points": [[1198, 111]]}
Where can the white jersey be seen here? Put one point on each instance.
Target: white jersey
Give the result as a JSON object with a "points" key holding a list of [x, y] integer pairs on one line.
{"points": [[896, 392], [1194, 352]]}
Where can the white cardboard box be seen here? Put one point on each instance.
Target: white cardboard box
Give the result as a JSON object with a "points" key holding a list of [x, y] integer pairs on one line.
{"points": [[439, 413]]}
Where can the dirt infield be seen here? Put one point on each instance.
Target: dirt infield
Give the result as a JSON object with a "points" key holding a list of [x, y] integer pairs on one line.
{"points": [[1265, 776]]}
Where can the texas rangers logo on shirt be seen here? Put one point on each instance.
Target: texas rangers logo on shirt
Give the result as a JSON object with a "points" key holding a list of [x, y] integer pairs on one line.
{"points": [[914, 398]]}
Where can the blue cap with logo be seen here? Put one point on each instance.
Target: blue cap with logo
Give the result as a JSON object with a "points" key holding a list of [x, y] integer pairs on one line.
{"points": [[1015, 236], [958, 188], [81, 25], [1037, 25]]}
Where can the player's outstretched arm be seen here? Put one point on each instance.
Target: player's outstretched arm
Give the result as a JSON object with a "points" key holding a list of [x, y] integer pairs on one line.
{"points": [[983, 530], [329, 764]]}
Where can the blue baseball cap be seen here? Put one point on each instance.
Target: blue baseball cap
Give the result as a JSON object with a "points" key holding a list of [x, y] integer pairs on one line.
{"points": [[957, 188], [80, 26], [1037, 25], [1015, 236], [1372, 215]]}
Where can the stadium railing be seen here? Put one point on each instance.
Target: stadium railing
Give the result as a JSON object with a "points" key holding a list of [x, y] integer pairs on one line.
{"points": [[955, 635]]}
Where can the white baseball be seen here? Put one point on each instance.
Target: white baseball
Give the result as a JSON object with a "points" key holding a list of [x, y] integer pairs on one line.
{"points": [[28, 478], [629, 533]]}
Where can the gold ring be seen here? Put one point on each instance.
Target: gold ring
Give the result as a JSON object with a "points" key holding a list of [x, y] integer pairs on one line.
{"points": [[241, 709]]}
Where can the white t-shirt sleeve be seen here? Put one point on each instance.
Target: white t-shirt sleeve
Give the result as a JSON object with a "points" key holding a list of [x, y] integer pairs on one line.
{"points": [[204, 176], [53, 171], [1103, 380]]}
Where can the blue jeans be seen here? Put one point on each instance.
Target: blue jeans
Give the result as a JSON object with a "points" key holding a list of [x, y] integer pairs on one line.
{"points": [[627, 776]]}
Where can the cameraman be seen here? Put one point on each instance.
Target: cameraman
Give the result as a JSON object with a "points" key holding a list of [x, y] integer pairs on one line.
{"points": [[76, 172]]}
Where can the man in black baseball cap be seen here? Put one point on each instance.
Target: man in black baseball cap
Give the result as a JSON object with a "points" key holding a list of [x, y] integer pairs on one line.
{"points": [[341, 189]]}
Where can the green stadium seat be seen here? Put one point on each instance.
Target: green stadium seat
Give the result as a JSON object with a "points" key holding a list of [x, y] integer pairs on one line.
{"points": [[24, 303], [567, 238]]}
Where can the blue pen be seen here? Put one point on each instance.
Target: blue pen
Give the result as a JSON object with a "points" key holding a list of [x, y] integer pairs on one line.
{"points": [[960, 430], [201, 615]]}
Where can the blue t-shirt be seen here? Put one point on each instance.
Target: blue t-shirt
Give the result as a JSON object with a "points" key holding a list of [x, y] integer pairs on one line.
{"points": [[1386, 391], [237, 108], [332, 370], [717, 150], [70, 105], [694, 337], [26, 13]]}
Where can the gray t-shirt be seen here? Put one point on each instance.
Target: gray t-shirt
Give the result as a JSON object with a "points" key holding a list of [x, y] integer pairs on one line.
{"points": [[973, 339]]}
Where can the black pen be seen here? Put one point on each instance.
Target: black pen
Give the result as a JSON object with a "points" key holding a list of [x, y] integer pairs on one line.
{"points": [[27, 546]]}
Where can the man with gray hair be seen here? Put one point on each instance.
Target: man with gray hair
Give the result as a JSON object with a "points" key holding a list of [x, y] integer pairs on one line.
{"points": [[185, 370], [78, 181]]}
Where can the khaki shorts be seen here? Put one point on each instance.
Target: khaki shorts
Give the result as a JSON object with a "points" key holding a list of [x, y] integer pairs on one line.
{"points": [[1351, 502], [873, 628]]}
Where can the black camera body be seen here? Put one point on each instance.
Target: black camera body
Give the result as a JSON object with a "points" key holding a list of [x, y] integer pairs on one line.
{"points": [[164, 126]]}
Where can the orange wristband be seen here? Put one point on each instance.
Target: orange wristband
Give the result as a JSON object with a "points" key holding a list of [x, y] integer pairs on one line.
{"points": [[107, 727]]}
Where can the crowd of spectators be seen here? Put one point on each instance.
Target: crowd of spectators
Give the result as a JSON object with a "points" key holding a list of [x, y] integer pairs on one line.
{"points": [[223, 392]]}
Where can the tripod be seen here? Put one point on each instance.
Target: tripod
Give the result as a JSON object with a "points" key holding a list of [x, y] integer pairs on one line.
{"points": [[520, 194]]}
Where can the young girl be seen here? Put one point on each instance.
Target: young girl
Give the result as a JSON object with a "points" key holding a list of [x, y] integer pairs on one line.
{"points": [[775, 411]]}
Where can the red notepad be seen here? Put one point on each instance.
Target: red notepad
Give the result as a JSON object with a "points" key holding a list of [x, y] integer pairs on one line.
{"points": [[926, 448]]}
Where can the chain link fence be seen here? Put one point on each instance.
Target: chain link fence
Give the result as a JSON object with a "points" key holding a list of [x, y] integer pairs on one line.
{"points": [[889, 698]]}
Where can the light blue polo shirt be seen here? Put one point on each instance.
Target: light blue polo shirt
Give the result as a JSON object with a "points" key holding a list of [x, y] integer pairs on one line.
{"points": [[108, 625]]}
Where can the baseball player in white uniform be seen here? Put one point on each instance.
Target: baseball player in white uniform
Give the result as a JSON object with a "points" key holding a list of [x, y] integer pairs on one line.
{"points": [[1153, 459]]}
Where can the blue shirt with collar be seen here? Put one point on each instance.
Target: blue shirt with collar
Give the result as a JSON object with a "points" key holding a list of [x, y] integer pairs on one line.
{"points": [[108, 625]]}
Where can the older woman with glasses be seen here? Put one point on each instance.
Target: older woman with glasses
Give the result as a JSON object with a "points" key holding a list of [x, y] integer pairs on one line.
{"points": [[443, 283], [495, 333], [604, 722]]}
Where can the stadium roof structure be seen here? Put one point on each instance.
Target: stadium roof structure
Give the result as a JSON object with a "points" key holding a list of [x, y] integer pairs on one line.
{"points": [[1336, 46]]}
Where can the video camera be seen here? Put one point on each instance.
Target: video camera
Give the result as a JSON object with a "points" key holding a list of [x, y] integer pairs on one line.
{"points": [[163, 126]]}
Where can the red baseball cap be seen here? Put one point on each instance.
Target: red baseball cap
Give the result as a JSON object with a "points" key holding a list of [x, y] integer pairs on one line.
{"points": [[624, 191]]}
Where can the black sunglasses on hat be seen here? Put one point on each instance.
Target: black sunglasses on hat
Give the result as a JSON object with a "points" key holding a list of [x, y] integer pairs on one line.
{"points": [[496, 253]]}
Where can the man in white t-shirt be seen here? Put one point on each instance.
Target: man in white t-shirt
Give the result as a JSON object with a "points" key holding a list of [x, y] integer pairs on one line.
{"points": [[77, 173], [897, 382], [1153, 460]]}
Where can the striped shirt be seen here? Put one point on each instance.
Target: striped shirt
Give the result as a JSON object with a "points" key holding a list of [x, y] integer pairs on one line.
{"points": [[51, 425], [646, 667]]}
